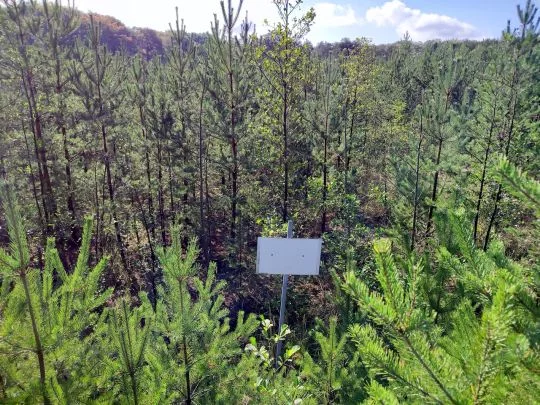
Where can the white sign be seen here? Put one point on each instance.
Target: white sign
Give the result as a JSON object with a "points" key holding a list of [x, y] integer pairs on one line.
{"points": [[288, 256]]}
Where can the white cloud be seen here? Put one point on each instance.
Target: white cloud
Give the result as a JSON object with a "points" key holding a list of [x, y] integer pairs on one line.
{"points": [[334, 15], [421, 26]]}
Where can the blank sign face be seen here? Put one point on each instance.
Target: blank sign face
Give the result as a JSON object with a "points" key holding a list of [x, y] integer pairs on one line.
{"points": [[288, 256]]}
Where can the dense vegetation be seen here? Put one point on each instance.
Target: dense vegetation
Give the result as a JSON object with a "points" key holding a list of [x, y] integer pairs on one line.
{"points": [[135, 180]]}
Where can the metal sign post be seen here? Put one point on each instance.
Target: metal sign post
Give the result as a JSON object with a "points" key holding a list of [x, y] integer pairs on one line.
{"points": [[283, 297], [287, 256]]}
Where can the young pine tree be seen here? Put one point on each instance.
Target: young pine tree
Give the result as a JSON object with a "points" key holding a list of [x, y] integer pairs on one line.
{"points": [[52, 314], [196, 343], [477, 347]]}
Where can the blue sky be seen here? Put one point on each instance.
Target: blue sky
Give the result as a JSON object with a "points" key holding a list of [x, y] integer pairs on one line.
{"points": [[383, 21]]}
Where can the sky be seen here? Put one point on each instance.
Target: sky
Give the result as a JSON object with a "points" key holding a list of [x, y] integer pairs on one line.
{"points": [[384, 21]]}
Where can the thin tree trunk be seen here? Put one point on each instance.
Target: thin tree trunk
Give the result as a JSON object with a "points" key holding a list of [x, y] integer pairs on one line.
{"points": [[49, 203], [107, 163], [99, 219], [161, 198], [493, 216], [325, 175], [483, 178], [32, 178], [434, 191], [153, 257], [285, 155], [285, 86], [149, 200], [234, 181], [207, 205], [232, 123], [498, 196], [46, 212], [37, 339], [416, 181], [437, 173], [347, 142], [202, 234], [69, 182], [185, 197], [185, 350], [41, 151], [512, 108], [172, 212], [346, 158], [61, 124], [110, 186]]}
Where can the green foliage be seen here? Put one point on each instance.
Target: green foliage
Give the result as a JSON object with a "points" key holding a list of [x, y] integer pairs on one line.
{"points": [[130, 330], [269, 380], [429, 148], [337, 373], [194, 337], [519, 184], [478, 351], [125, 352], [62, 310]]}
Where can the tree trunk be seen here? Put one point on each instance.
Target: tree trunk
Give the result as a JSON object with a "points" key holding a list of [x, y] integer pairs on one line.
{"points": [[153, 257], [69, 184], [434, 191], [98, 213], [49, 202], [208, 222], [185, 349], [232, 123], [285, 154], [161, 196], [202, 229], [37, 339], [172, 212], [416, 181], [234, 181], [185, 196], [512, 109], [110, 186], [149, 199], [325, 175], [61, 124], [483, 178], [33, 179]]}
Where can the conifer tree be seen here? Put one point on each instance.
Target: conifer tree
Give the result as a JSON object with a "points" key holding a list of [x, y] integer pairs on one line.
{"points": [[336, 372], [181, 78], [140, 92], [281, 60], [441, 100], [520, 42], [231, 90], [324, 117], [62, 318], [225, 134], [491, 90], [98, 77], [359, 75], [129, 330], [458, 358], [21, 22], [60, 21], [197, 341]]}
